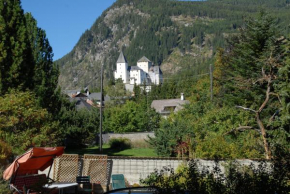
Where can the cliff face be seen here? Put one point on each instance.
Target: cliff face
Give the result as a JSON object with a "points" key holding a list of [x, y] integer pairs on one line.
{"points": [[176, 35], [99, 45]]}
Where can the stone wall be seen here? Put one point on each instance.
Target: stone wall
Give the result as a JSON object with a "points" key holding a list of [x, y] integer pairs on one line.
{"points": [[135, 169], [132, 136]]}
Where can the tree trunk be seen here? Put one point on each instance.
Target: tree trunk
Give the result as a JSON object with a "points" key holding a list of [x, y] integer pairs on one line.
{"points": [[264, 135], [260, 123]]}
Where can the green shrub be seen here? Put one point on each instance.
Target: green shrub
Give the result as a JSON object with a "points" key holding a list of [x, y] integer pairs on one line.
{"points": [[5, 152], [140, 144], [4, 188], [190, 179], [120, 143]]}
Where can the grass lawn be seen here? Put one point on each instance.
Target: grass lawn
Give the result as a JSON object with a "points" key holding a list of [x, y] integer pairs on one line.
{"points": [[136, 152]]}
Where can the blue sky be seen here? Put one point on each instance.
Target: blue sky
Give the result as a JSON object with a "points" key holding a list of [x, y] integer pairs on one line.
{"points": [[65, 20]]}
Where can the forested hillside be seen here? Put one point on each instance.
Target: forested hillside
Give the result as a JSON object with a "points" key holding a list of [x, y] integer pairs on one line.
{"points": [[181, 36], [249, 114], [246, 115], [246, 41], [249, 46]]}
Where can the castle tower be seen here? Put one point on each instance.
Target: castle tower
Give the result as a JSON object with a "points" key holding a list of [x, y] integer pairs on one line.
{"points": [[122, 69], [144, 64]]}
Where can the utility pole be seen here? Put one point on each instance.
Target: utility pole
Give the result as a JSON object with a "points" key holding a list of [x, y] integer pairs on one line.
{"points": [[211, 81], [101, 113]]}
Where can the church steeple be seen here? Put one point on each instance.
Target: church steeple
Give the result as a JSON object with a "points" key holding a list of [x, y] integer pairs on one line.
{"points": [[122, 58], [122, 69]]}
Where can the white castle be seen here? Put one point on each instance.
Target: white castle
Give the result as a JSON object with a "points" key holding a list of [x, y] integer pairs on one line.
{"points": [[144, 73]]}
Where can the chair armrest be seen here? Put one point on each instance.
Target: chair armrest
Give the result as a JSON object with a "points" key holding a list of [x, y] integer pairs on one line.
{"points": [[50, 181], [12, 187]]}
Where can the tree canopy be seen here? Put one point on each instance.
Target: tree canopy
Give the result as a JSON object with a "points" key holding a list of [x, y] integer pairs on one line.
{"points": [[248, 115], [24, 124], [16, 61], [30, 100]]}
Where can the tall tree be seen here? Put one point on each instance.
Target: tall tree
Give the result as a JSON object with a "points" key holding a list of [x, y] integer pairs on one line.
{"points": [[254, 58], [45, 71], [16, 63], [26, 56], [78, 126], [117, 93], [130, 117], [283, 89]]}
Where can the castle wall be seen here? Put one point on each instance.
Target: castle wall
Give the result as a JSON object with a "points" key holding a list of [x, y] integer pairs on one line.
{"points": [[145, 66], [122, 72]]}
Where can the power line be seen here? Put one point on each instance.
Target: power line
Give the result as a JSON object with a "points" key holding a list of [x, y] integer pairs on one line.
{"points": [[192, 76]]}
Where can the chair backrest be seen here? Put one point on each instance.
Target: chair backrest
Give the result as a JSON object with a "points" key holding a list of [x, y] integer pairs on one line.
{"points": [[83, 179], [66, 168], [35, 180], [28, 181], [96, 166], [118, 181], [18, 183]]}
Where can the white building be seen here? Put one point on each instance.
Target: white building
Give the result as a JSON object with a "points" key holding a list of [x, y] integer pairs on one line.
{"points": [[122, 69], [144, 73]]}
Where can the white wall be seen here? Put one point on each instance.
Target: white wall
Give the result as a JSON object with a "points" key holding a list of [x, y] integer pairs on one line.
{"points": [[132, 136], [122, 72], [160, 77], [145, 66], [129, 87], [136, 75], [135, 169], [155, 78], [139, 77]]}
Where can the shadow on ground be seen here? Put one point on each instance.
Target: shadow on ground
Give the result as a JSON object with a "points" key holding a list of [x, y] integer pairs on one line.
{"points": [[96, 150]]}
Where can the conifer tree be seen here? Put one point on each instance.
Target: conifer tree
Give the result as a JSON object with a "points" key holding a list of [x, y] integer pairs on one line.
{"points": [[45, 71], [283, 89], [26, 55], [254, 58], [16, 63]]}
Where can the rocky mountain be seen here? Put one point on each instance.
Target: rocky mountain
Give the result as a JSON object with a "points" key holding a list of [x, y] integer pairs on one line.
{"points": [[177, 35]]}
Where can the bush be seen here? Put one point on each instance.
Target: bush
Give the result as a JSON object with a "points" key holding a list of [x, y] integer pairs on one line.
{"points": [[120, 143], [4, 188], [5, 152], [191, 180]]}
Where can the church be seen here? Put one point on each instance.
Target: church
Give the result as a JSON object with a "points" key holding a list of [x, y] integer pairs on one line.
{"points": [[144, 73]]}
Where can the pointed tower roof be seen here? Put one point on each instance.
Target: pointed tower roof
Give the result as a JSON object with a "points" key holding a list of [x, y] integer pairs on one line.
{"points": [[144, 59], [122, 58]]}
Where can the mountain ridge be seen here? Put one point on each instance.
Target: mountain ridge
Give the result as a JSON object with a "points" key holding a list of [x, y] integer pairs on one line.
{"points": [[174, 35]]}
